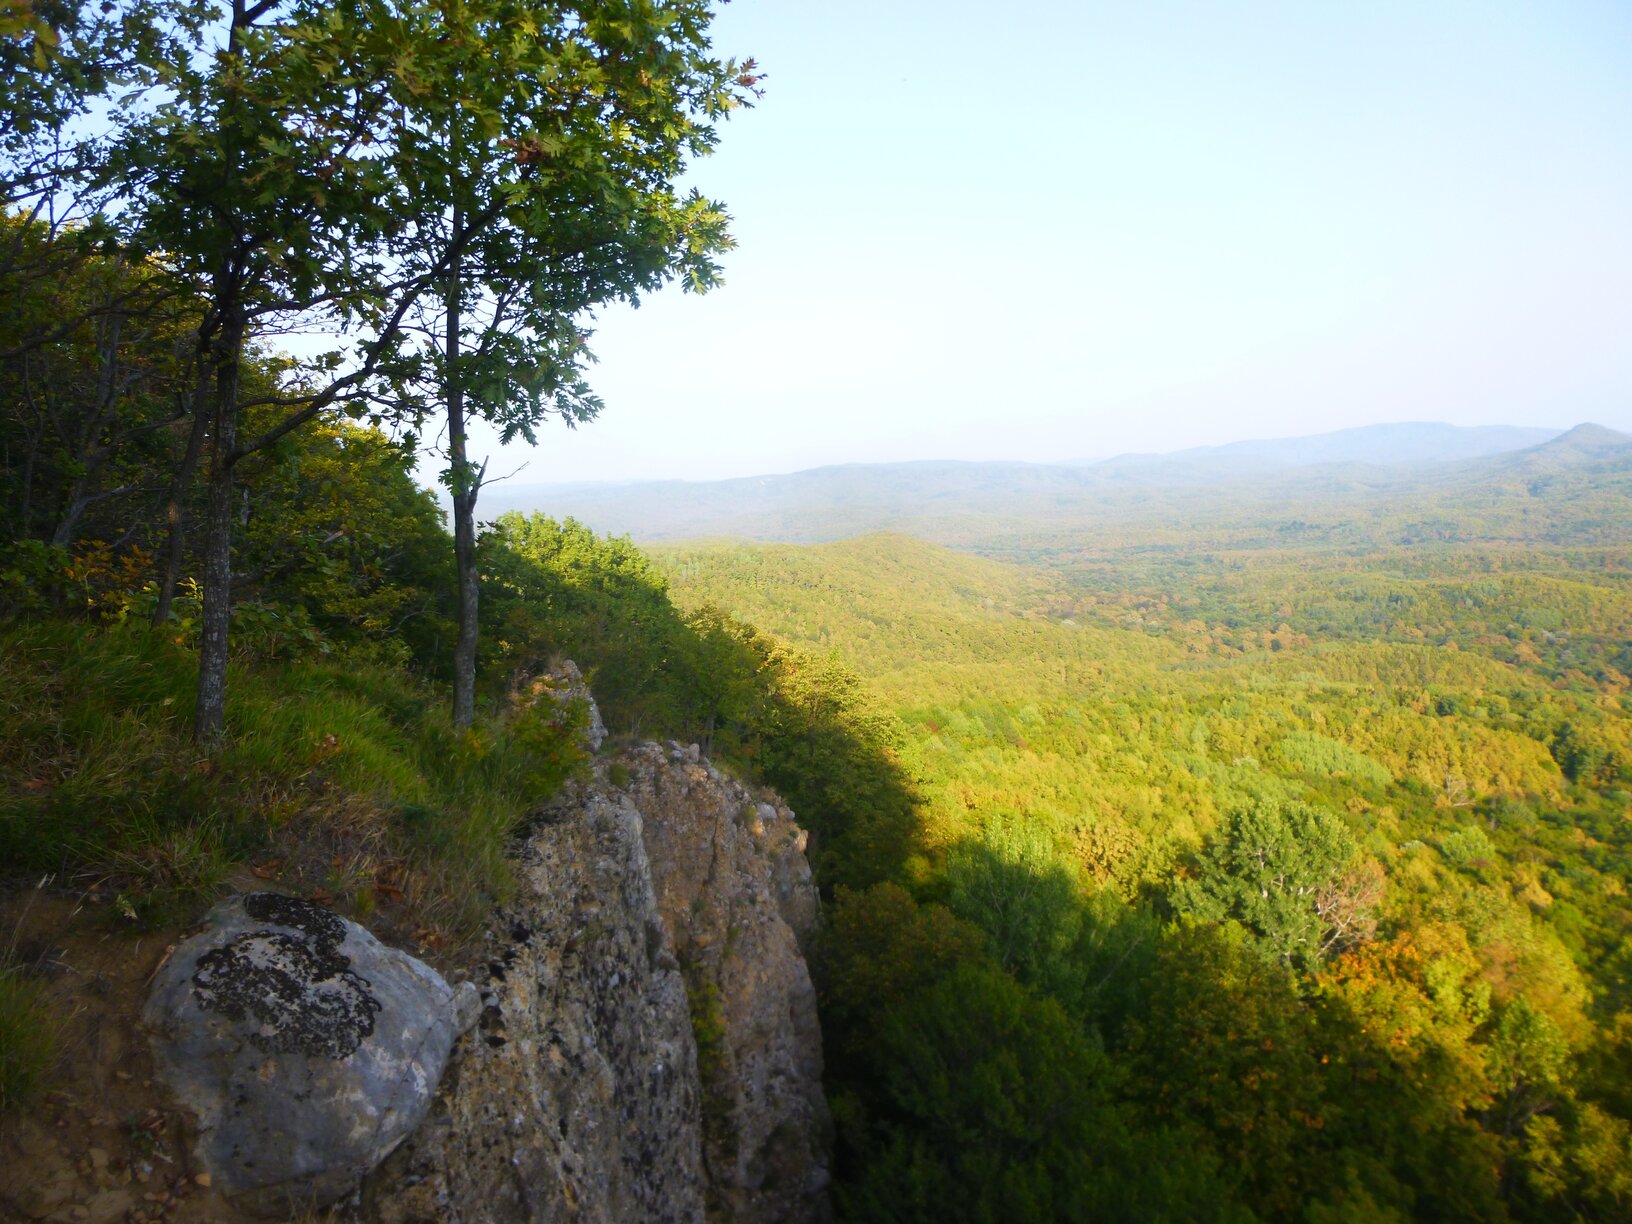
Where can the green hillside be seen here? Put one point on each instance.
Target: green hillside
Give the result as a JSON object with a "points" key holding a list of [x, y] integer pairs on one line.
{"points": [[1109, 750], [1241, 834], [1062, 692], [894, 607]]}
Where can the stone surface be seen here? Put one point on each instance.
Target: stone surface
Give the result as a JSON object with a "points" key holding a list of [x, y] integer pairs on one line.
{"points": [[563, 687], [580, 1095], [576, 1097], [305, 1049], [738, 906]]}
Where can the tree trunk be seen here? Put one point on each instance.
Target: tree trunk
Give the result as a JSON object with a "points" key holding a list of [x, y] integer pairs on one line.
{"points": [[210, 717], [175, 548], [25, 505], [466, 485], [62, 535], [464, 556]]}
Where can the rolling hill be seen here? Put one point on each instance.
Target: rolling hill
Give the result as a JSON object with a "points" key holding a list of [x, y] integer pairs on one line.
{"points": [[1399, 485]]}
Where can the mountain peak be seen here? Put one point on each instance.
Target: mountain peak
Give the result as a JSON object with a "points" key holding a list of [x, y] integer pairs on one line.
{"points": [[1591, 439]]}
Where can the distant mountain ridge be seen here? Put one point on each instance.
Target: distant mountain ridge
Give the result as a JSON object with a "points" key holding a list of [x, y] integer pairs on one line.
{"points": [[1362, 480], [1406, 442], [1586, 441]]}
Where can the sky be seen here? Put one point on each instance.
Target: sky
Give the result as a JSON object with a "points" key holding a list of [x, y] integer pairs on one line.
{"points": [[1071, 230]]}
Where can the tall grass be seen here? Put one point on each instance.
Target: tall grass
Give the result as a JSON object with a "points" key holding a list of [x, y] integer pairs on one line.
{"points": [[26, 1046], [102, 782]]}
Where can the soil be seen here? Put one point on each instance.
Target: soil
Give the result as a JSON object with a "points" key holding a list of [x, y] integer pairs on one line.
{"points": [[101, 1142]]}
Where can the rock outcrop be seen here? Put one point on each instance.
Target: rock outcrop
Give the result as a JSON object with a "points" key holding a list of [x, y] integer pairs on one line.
{"points": [[305, 1048], [737, 902], [576, 1097], [648, 1046], [641, 1041]]}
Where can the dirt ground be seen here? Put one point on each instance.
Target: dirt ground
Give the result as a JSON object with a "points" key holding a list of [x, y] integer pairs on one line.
{"points": [[100, 1142]]}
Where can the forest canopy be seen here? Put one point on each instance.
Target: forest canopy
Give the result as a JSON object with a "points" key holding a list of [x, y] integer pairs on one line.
{"points": [[1308, 842]]}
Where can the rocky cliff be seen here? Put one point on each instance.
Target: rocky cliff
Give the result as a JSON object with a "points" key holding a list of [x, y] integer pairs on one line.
{"points": [[636, 1042], [648, 1046]]}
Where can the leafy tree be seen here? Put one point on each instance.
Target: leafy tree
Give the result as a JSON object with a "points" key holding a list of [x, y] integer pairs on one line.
{"points": [[840, 759], [1012, 885], [86, 417], [1289, 873], [1583, 757], [996, 1107], [551, 190], [335, 525], [260, 175], [880, 948], [558, 588], [80, 318], [317, 168], [1528, 1060], [58, 58], [1301, 1103], [1580, 1164]]}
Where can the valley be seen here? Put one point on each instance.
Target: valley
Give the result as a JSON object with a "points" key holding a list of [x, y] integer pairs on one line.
{"points": [[1364, 786]]}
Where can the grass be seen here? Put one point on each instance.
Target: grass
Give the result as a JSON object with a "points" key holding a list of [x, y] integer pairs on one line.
{"points": [[341, 778], [26, 1048]]}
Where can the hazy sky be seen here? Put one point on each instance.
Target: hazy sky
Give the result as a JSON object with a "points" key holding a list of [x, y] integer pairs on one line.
{"points": [[1076, 229]]}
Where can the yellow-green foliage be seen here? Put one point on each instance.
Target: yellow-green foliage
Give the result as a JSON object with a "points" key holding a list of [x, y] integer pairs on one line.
{"points": [[1086, 745], [707, 1022]]}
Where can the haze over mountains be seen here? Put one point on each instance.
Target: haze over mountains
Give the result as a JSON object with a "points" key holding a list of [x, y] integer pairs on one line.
{"points": [[1409, 442], [1381, 484]]}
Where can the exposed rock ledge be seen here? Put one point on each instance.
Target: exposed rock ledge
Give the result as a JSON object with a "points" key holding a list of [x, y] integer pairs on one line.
{"points": [[661, 913]]}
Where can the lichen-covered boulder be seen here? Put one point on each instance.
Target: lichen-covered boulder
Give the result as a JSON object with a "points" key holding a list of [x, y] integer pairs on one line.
{"points": [[306, 1049]]}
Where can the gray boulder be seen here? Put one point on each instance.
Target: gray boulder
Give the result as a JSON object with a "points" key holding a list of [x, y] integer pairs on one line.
{"points": [[306, 1048]]}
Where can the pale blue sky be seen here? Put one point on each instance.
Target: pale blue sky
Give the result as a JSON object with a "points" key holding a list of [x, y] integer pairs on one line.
{"points": [[1077, 229]]}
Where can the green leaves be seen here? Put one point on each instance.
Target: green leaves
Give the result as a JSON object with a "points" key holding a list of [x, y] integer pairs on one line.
{"points": [[1281, 869], [561, 148]]}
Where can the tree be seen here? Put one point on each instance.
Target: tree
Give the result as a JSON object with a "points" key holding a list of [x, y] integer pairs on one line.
{"points": [[335, 525], [60, 59], [1529, 1058], [262, 177], [84, 413], [1290, 873], [557, 193], [317, 171]]}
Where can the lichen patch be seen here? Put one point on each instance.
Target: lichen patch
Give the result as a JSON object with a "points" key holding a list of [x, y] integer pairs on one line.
{"points": [[293, 987]]}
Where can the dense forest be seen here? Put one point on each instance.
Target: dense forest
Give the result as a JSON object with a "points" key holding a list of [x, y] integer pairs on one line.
{"points": [[1312, 862], [1212, 851]]}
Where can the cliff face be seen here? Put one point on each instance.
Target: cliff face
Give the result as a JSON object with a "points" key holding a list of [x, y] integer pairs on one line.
{"points": [[648, 1046], [639, 1041], [736, 901]]}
